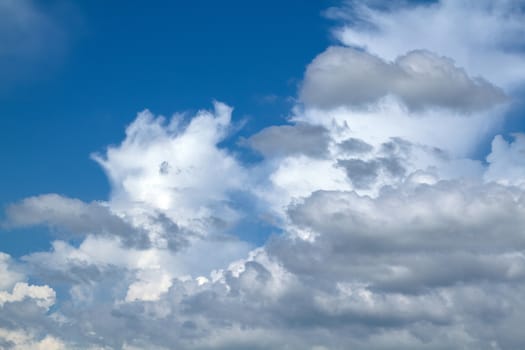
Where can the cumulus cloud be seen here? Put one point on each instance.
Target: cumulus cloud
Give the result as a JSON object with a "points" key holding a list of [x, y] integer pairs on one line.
{"points": [[346, 76], [368, 275], [390, 234], [72, 218], [485, 37], [450, 132], [181, 172], [9, 275], [43, 295], [507, 161], [423, 276], [166, 212], [23, 307], [21, 340]]}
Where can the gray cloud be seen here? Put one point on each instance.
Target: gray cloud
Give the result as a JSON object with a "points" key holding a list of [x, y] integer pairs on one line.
{"points": [[445, 219], [364, 173], [343, 76], [70, 218], [430, 265], [425, 267], [355, 146], [311, 140]]}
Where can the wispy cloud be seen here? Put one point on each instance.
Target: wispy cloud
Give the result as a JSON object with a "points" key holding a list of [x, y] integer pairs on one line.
{"points": [[30, 39]]}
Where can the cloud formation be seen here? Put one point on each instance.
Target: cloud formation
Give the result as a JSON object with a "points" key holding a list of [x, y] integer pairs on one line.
{"points": [[23, 309], [483, 36], [345, 76], [507, 161], [180, 173], [389, 233], [70, 218]]}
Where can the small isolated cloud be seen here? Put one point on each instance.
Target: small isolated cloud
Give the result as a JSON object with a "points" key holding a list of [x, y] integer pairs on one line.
{"points": [[343, 76]]}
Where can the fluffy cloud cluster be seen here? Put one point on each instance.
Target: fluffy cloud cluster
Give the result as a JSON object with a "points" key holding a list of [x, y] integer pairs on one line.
{"points": [[507, 161], [347, 76], [23, 309], [180, 173], [389, 234], [483, 36]]}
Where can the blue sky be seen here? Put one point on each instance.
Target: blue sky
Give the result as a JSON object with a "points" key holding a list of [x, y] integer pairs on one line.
{"points": [[262, 175]]}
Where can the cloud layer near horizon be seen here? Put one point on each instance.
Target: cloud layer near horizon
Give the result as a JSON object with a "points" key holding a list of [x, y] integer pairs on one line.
{"points": [[391, 235]]}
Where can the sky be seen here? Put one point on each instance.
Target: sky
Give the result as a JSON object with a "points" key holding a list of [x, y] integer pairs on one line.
{"points": [[262, 175]]}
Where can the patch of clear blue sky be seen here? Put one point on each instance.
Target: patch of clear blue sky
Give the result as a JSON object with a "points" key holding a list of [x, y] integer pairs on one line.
{"points": [[124, 56]]}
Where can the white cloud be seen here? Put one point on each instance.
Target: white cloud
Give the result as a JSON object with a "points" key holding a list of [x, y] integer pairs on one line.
{"points": [[392, 236], [454, 133], [145, 273], [23, 306], [180, 171], [507, 161], [20, 340], [484, 36], [8, 276], [169, 208], [44, 296]]}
